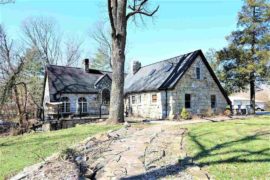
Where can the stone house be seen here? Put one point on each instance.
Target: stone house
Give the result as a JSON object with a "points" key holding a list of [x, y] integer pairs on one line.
{"points": [[75, 91], [162, 89], [159, 90]]}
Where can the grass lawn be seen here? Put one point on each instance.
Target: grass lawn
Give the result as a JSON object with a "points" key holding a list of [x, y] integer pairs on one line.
{"points": [[238, 149], [18, 152]]}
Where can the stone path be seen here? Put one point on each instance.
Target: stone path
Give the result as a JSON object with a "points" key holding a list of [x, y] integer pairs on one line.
{"points": [[151, 152]]}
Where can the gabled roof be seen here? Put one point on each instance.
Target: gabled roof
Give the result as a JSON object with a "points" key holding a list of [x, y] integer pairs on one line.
{"points": [[100, 79], [158, 76], [64, 79]]}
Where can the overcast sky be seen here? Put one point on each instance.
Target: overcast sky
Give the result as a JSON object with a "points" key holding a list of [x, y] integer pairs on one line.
{"points": [[180, 26]]}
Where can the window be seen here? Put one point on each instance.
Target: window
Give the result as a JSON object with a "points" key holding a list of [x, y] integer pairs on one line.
{"points": [[154, 98], [65, 106], [105, 96], [198, 72], [133, 100], [213, 101], [187, 101], [82, 104], [139, 99]]}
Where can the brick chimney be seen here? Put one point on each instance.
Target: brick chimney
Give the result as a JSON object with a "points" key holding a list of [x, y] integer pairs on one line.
{"points": [[136, 65], [86, 65]]}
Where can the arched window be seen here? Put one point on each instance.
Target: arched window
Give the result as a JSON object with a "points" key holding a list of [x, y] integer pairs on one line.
{"points": [[65, 106], [105, 96], [82, 104]]}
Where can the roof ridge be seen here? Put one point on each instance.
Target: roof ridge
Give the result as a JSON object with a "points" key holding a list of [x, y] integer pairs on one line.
{"points": [[63, 66], [171, 58], [76, 67]]}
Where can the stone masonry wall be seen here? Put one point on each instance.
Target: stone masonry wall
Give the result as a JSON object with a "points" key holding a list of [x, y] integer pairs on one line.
{"points": [[144, 108], [199, 89]]}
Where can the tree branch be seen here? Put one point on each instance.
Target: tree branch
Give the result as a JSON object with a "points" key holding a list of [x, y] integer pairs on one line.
{"points": [[139, 9]]}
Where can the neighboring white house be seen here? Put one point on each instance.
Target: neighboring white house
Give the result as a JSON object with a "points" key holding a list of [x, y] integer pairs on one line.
{"points": [[262, 98]]}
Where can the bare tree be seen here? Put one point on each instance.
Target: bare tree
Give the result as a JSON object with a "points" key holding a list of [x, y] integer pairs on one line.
{"points": [[43, 34], [11, 67], [72, 52], [101, 35], [120, 11]]}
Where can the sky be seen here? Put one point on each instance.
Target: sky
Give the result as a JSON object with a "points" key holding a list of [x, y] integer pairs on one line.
{"points": [[179, 26]]}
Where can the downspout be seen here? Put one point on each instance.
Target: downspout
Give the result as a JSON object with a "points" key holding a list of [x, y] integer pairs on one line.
{"points": [[166, 103]]}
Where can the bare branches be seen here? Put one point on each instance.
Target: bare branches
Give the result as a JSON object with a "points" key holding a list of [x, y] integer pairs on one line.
{"points": [[101, 36], [73, 51], [138, 7], [42, 34]]}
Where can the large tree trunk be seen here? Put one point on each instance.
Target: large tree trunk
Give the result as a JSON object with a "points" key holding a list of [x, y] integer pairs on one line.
{"points": [[17, 100], [252, 74], [117, 91], [119, 33], [252, 93]]}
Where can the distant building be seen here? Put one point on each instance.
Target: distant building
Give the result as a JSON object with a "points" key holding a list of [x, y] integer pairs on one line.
{"points": [[262, 98]]}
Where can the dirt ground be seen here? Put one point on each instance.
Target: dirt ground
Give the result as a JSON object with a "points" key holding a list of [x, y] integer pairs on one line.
{"points": [[136, 152]]}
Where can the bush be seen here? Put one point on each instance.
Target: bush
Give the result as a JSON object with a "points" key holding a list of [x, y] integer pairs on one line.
{"points": [[227, 112], [185, 114]]}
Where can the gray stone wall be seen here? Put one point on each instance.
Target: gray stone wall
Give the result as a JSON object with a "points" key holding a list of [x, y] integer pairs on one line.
{"points": [[199, 89], [144, 107]]}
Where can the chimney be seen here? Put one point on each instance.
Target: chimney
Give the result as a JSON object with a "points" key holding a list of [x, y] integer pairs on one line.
{"points": [[86, 65], [136, 65]]}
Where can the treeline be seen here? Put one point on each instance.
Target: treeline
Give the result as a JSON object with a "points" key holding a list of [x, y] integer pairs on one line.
{"points": [[23, 61]]}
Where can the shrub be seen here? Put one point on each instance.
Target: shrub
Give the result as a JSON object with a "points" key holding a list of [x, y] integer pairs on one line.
{"points": [[185, 114], [227, 112]]}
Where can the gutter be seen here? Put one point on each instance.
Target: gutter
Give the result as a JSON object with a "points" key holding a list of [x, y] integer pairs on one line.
{"points": [[166, 103]]}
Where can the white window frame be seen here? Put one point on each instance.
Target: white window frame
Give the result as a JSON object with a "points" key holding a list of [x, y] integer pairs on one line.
{"points": [[139, 101], [133, 96], [152, 98], [83, 104], [64, 104]]}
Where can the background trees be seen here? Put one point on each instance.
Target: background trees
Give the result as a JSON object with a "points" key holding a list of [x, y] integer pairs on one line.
{"points": [[244, 61], [102, 57], [22, 65]]}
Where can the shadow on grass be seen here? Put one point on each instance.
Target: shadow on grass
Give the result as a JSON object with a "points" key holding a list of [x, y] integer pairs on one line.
{"points": [[241, 156]]}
